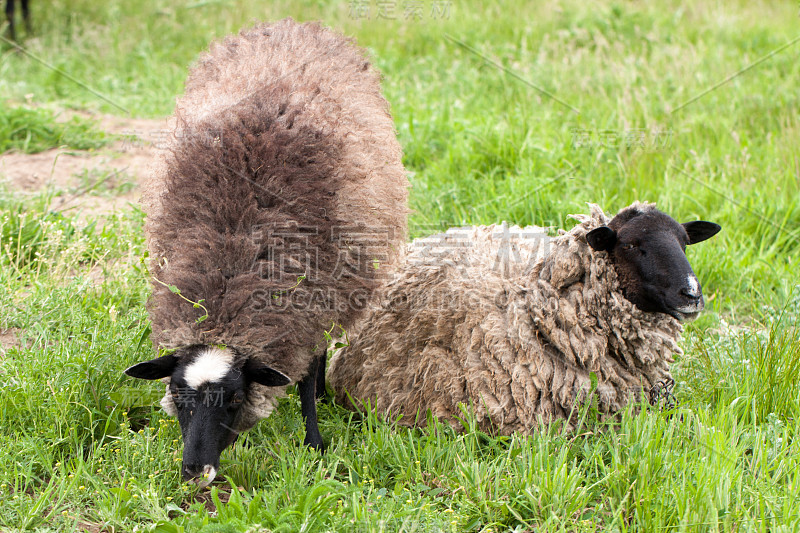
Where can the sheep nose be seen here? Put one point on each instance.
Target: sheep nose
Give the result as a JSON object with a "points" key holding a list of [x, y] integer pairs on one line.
{"points": [[195, 471], [691, 293], [692, 289], [191, 471], [200, 475]]}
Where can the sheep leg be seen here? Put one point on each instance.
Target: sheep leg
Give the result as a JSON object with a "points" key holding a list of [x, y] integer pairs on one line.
{"points": [[26, 16], [308, 406], [323, 361], [10, 16]]}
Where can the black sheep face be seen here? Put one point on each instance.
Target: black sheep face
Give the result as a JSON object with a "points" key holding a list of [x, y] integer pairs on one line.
{"points": [[207, 390], [648, 250]]}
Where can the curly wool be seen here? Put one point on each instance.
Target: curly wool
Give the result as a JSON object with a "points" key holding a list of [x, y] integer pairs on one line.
{"points": [[280, 204], [509, 321]]}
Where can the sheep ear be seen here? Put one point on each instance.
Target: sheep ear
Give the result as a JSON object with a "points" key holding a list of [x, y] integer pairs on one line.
{"points": [[700, 230], [264, 374], [154, 369], [602, 239]]}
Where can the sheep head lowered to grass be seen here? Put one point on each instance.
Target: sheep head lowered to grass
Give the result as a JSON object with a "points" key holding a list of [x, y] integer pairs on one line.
{"points": [[514, 323], [277, 210]]}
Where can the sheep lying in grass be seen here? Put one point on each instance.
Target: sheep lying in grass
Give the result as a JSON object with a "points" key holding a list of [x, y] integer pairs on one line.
{"points": [[278, 209], [514, 322]]}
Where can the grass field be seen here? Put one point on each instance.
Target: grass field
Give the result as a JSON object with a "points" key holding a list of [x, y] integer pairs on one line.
{"points": [[506, 111]]}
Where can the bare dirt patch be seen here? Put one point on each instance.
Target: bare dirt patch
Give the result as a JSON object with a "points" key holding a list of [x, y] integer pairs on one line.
{"points": [[86, 527], [224, 495], [8, 340], [93, 183]]}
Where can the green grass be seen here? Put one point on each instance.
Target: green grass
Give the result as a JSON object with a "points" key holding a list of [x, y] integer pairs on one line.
{"points": [[30, 130], [83, 448]]}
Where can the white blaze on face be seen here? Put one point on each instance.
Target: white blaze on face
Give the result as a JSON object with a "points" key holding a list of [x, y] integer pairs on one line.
{"points": [[694, 286], [210, 365]]}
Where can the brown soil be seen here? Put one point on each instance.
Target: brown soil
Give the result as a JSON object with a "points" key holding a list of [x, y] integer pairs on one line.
{"points": [[204, 497], [8, 340], [95, 183]]}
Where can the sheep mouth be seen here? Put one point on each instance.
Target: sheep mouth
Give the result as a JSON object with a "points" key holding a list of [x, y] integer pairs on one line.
{"points": [[205, 478], [685, 309], [684, 315]]}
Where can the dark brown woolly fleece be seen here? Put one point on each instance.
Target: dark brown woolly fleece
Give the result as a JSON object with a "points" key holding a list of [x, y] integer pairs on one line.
{"points": [[284, 163]]}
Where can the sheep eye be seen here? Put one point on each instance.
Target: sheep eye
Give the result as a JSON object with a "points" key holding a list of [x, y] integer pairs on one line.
{"points": [[628, 246], [236, 400], [179, 397]]}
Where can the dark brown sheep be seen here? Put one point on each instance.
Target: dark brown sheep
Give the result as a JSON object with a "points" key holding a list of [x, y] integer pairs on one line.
{"points": [[278, 210]]}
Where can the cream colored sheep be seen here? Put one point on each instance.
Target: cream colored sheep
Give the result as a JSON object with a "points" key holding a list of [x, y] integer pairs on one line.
{"points": [[513, 322]]}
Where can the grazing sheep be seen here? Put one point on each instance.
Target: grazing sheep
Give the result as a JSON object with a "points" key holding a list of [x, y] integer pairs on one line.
{"points": [[279, 208], [26, 17], [513, 322]]}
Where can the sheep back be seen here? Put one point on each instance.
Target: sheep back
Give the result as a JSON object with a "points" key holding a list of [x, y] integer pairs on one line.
{"points": [[512, 323]]}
